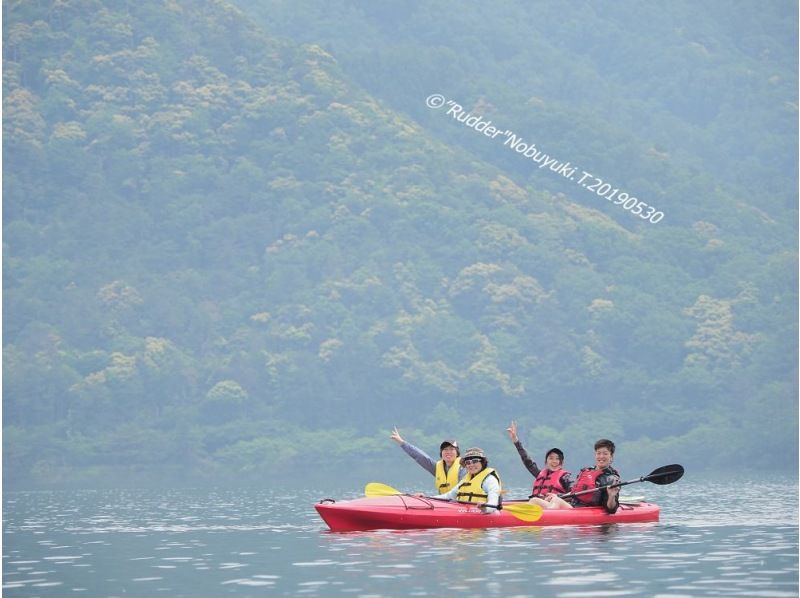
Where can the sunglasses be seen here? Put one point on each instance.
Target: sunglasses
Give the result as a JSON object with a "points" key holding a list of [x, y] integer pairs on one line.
{"points": [[473, 460]]}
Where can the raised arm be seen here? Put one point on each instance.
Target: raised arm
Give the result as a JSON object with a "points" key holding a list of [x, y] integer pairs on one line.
{"points": [[529, 463], [418, 455]]}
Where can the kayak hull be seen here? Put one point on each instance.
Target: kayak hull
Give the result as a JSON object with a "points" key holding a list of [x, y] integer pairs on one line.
{"points": [[410, 512]]}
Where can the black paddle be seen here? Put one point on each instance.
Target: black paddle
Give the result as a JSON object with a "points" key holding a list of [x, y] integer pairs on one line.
{"points": [[661, 476]]}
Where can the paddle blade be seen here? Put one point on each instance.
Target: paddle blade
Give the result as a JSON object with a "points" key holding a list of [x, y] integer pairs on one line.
{"points": [[631, 499], [665, 475], [525, 511], [374, 489]]}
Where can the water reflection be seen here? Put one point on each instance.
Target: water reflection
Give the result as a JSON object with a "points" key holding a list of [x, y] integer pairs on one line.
{"points": [[249, 543]]}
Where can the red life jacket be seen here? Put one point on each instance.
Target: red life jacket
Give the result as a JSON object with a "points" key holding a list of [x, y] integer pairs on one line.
{"points": [[586, 480], [548, 482]]}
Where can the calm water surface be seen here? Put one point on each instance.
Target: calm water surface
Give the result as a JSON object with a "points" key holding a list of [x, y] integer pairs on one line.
{"points": [[711, 541]]}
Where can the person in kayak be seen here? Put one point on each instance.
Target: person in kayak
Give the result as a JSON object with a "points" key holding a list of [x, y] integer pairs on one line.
{"points": [[601, 474], [481, 485], [553, 479], [446, 471]]}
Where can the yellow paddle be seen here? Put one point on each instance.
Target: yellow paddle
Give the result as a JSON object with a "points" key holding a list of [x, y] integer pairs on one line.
{"points": [[374, 489], [522, 511]]}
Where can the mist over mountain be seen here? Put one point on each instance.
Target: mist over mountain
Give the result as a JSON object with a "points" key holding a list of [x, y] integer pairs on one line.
{"points": [[236, 240]]}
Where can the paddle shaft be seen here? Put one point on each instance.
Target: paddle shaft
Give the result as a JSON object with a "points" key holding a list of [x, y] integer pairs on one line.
{"points": [[590, 490], [463, 502], [523, 511], [499, 507], [658, 473]]}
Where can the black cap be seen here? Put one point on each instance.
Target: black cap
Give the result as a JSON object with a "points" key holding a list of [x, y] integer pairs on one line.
{"points": [[447, 443], [557, 452]]}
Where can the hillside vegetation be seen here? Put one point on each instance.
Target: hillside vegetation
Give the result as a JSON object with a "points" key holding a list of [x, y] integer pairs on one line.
{"points": [[236, 241]]}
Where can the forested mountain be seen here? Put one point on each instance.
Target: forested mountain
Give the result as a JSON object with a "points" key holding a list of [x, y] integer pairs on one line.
{"points": [[236, 240]]}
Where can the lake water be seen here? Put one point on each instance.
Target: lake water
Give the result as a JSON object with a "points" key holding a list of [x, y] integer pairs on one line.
{"points": [[714, 539]]}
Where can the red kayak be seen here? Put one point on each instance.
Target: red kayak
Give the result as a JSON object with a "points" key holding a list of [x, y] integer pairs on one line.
{"points": [[410, 512]]}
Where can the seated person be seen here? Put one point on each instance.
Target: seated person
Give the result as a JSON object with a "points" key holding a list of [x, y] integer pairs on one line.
{"points": [[446, 471], [602, 474], [481, 485], [550, 480]]}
